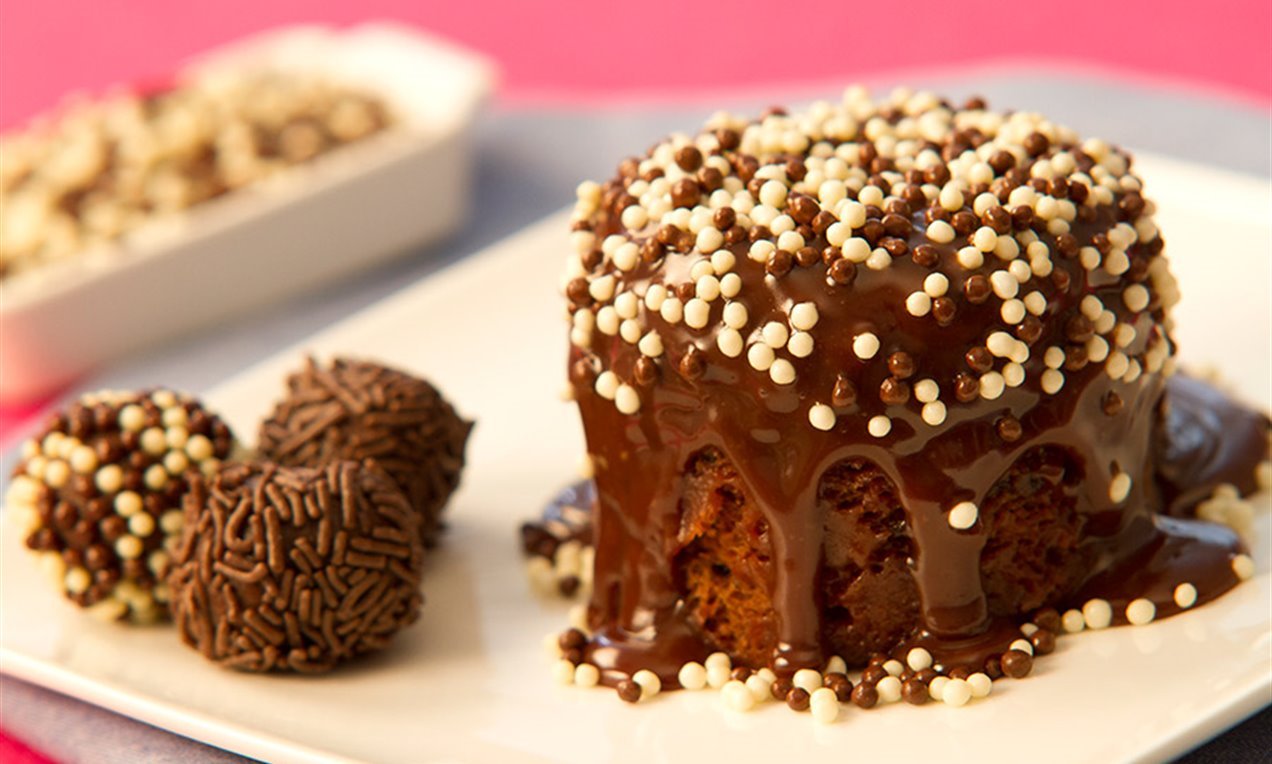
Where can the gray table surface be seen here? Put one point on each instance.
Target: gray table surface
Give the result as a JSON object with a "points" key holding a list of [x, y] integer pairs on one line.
{"points": [[529, 161]]}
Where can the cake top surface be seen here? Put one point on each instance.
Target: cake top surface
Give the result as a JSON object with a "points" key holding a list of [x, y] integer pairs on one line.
{"points": [[867, 260]]}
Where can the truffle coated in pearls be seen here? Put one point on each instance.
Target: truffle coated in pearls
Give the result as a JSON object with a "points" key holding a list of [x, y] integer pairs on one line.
{"points": [[95, 488]]}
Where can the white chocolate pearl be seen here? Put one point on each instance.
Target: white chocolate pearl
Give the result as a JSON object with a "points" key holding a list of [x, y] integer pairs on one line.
{"points": [[774, 334], [730, 284], [707, 288], [164, 398], [934, 413], [821, 416], [782, 372], [586, 675], [1004, 284], [654, 296], [1097, 613], [651, 345], [824, 705], [926, 390], [1119, 487], [719, 660], [83, 459], [985, 239], [1023, 645], [760, 357], [889, 689], [865, 346], [630, 331], [730, 342], [1140, 611], [879, 426], [759, 687], [606, 385], [736, 696], [722, 261], [956, 693], [627, 399], [132, 418], [857, 249], [1052, 381], [807, 679], [918, 304], [1243, 567], [177, 437], [1185, 595], [128, 547], [1135, 297], [626, 256], [141, 524], [602, 289], [940, 232], [980, 684], [607, 320], [563, 672], [692, 676], [735, 315], [970, 258], [57, 473], [153, 441], [109, 479], [804, 316], [175, 417], [697, 313], [936, 687], [1012, 312], [800, 344], [199, 448], [155, 477], [1073, 621], [172, 521], [175, 462], [836, 665], [77, 580], [650, 684], [158, 562], [672, 310], [963, 515], [991, 385], [918, 659], [936, 284]]}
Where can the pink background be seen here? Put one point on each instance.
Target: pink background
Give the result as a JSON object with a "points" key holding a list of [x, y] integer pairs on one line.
{"points": [[602, 47], [597, 50]]}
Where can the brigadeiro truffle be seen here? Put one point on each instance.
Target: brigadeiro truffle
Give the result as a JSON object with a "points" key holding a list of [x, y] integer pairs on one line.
{"points": [[295, 568], [97, 494], [360, 410]]}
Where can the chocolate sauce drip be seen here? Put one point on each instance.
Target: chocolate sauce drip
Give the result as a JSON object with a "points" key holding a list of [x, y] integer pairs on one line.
{"points": [[1207, 439]]}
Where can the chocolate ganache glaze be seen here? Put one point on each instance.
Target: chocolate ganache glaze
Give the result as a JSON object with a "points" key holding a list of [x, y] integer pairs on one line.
{"points": [[938, 293]]}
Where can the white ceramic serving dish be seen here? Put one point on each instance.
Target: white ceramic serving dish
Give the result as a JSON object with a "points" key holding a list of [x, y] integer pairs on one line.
{"points": [[311, 225], [471, 683]]}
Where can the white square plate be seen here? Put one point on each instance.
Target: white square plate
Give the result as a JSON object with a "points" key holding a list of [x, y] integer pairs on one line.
{"points": [[301, 229], [470, 682]]}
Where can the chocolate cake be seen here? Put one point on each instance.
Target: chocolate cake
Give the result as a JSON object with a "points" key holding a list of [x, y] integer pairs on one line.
{"points": [[97, 494], [295, 569], [358, 410], [886, 379]]}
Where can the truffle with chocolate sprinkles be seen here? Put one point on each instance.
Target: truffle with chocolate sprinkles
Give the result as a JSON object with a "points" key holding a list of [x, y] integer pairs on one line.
{"points": [[97, 494], [361, 410], [295, 568]]}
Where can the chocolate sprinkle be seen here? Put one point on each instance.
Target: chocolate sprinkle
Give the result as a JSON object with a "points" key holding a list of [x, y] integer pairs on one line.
{"points": [[293, 568], [360, 410]]}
